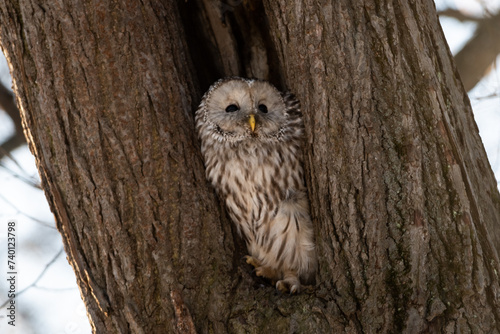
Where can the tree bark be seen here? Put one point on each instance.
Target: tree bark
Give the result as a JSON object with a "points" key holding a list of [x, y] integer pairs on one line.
{"points": [[403, 199], [106, 95], [405, 202]]}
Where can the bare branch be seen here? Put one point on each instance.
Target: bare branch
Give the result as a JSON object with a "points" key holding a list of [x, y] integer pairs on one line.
{"points": [[26, 179], [8, 104], [485, 97], [47, 266], [459, 15], [41, 222], [474, 60]]}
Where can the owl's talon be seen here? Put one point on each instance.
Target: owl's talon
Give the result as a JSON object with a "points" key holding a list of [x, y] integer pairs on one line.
{"points": [[258, 269], [280, 286], [252, 261], [284, 287], [290, 284]]}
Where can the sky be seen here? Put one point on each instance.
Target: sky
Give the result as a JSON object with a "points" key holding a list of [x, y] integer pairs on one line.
{"points": [[54, 304]]}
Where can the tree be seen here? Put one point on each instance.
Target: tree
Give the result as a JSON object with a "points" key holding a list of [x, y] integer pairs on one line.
{"points": [[476, 58], [404, 202], [8, 104]]}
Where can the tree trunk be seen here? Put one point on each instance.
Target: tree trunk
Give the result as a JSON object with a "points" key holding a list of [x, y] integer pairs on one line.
{"points": [[401, 191], [106, 94], [403, 199]]}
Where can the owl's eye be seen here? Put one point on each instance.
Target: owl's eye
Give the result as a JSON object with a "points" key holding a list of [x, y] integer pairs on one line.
{"points": [[232, 108], [263, 108]]}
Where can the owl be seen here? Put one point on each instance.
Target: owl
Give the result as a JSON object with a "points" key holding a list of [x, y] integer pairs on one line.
{"points": [[251, 136]]}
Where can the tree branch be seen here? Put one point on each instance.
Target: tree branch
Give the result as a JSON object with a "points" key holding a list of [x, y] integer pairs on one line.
{"points": [[474, 60], [47, 266], [36, 220], [7, 103], [459, 15]]}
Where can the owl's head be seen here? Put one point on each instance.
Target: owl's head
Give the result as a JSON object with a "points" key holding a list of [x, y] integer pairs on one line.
{"points": [[238, 109]]}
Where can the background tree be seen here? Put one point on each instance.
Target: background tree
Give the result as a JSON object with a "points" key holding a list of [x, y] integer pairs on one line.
{"points": [[476, 58], [404, 201], [8, 104]]}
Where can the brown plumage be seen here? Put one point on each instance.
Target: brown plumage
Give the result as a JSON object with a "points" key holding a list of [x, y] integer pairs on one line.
{"points": [[251, 138]]}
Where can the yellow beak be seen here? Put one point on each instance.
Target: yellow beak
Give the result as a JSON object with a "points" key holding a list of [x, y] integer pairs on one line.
{"points": [[251, 120]]}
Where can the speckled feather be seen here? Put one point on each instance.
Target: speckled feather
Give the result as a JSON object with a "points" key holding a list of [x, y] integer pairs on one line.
{"points": [[259, 175]]}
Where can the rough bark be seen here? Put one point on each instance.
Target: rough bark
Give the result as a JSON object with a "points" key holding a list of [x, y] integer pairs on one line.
{"points": [[106, 96], [404, 201]]}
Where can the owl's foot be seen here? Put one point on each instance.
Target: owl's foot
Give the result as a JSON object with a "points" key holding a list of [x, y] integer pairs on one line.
{"points": [[290, 284], [262, 271], [251, 260]]}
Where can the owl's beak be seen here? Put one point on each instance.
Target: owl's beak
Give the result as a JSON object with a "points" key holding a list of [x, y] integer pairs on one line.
{"points": [[251, 121]]}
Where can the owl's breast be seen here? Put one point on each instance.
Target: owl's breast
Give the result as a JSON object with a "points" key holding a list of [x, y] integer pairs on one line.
{"points": [[254, 179]]}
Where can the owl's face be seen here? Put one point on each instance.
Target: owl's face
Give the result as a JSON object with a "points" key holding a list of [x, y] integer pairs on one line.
{"points": [[242, 109]]}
